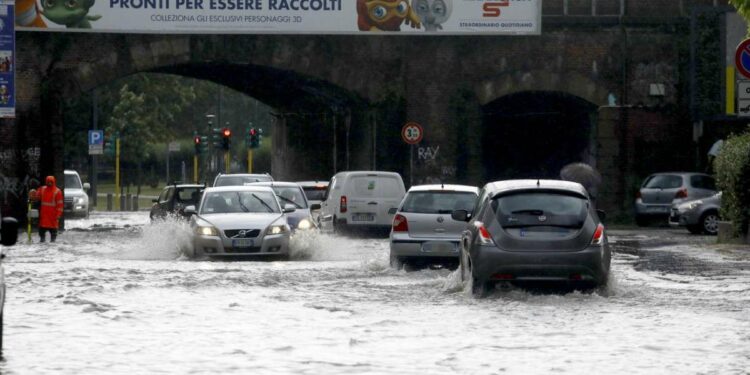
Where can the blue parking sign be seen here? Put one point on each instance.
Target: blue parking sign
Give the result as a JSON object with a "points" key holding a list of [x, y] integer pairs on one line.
{"points": [[96, 137]]}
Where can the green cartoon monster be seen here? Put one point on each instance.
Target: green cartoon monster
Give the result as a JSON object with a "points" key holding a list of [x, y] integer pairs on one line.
{"points": [[71, 13]]}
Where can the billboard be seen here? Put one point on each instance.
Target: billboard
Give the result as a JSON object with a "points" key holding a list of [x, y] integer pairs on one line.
{"points": [[425, 17], [7, 60]]}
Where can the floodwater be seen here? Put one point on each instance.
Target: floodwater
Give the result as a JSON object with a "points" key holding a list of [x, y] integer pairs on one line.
{"points": [[115, 295]]}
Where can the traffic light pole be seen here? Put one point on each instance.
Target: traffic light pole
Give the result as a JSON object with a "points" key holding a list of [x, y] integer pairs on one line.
{"points": [[117, 173], [250, 160], [195, 169], [226, 161]]}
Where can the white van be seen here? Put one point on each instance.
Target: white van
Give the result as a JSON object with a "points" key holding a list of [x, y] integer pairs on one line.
{"points": [[362, 199]]}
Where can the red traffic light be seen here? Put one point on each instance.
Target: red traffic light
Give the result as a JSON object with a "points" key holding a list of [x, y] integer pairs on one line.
{"points": [[226, 132], [197, 140], [253, 131]]}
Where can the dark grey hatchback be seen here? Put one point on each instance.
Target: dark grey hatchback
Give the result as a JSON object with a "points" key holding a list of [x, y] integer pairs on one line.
{"points": [[533, 230]]}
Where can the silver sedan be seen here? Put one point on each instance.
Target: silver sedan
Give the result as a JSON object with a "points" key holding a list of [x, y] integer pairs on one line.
{"points": [[240, 221]]}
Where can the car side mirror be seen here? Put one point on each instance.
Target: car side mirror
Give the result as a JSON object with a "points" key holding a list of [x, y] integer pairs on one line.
{"points": [[9, 231], [602, 215], [86, 186], [289, 208], [190, 210], [155, 200], [460, 215], [315, 206]]}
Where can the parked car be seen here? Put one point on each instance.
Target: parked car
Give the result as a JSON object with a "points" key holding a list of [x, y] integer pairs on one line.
{"points": [[173, 200], [240, 220], [533, 230], [660, 191], [698, 216], [239, 179], [363, 200], [315, 191], [8, 237], [76, 201], [423, 231], [292, 193]]}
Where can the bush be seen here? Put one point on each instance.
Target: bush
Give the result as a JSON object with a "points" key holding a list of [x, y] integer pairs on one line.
{"points": [[732, 168]]}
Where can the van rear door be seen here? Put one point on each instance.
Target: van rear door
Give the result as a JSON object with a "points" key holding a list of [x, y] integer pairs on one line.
{"points": [[373, 198]]}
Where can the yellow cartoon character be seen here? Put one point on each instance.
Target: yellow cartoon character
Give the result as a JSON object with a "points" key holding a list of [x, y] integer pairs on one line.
{"points": [[385, 15]]}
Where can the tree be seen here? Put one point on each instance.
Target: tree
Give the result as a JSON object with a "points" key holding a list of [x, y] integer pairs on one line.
{"points": [[743, 8]]}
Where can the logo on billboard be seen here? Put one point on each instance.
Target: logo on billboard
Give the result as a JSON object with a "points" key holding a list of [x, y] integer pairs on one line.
{"points": [[493, 9]]}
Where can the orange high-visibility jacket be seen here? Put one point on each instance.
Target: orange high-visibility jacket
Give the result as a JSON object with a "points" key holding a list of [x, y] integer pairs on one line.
{"points": [[51, 209]]}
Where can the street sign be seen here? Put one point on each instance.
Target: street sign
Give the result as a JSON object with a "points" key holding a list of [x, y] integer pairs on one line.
{"points": [[742, 58], [743, 90], [96, 142], [412, 133], [174, 146], [743, 107]]}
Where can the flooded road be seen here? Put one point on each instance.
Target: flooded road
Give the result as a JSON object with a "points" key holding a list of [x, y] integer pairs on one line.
{"points": [[115, 295]]}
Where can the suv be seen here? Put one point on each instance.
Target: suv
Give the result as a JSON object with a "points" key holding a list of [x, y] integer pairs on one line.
{"points": [[173, 200], [362, 200], [423, 231], [240, 179], [75, 197], [661, 190]]}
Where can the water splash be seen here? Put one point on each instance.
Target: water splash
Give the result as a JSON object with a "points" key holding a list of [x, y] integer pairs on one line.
{"points": [[162, 240]]}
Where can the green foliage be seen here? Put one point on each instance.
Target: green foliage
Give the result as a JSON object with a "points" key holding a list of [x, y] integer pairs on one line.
{"points": [[743, 8], [733, 179]]}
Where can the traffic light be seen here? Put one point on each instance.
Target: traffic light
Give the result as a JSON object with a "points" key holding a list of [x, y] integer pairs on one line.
{"points": [[254, 137], [198, 141], [226, 141], [216, 137], [110, 143]]}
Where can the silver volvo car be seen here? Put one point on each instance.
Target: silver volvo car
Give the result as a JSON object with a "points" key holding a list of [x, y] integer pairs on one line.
{"points": [[240, 221], [423, 231]]}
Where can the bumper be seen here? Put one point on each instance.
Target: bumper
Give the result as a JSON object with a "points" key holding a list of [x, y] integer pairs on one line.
{"points": [[592, 264], [219, 246], [76, 210], [688, 218], [644, 209], [424, 248]]}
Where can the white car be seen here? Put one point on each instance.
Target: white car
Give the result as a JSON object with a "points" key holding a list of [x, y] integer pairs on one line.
{"points": [[240, 220], [362, 200], [74, 195], [423, 231]]}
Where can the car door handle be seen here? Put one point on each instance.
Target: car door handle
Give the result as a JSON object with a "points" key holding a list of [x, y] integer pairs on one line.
{"points": [[440, 230], [373, 203]]}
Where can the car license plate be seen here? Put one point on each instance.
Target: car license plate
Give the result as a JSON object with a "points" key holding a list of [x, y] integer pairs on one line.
{"points": [[438, 247], [657, 209], [243, 242], [363, 217]]}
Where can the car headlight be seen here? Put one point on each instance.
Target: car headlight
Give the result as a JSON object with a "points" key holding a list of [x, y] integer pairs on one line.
{"points": [[79, 200], [304, 224], [277, 229], [206, 231], [687, 206]]}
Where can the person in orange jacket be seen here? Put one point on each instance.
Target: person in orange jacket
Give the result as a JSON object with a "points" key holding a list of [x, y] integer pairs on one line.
{"points": [[51, 210]]}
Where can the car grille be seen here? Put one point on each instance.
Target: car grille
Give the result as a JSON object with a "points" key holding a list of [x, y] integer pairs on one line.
{"points": [[243, 250], [235, 233]]}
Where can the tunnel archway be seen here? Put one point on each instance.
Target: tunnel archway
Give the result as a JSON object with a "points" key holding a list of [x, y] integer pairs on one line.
{"points": [[533, 134]]}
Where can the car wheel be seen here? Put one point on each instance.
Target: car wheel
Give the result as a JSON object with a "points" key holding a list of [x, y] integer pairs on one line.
{"points": [[710, 223], [479, 288], [463, 264], [641, 221]]}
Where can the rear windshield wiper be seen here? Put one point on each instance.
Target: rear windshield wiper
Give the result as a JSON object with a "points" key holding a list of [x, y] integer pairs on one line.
{"points": [[530, 212]]}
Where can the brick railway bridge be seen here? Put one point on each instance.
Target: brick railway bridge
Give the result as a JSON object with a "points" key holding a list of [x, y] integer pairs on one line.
{"points": [[491, 107]]}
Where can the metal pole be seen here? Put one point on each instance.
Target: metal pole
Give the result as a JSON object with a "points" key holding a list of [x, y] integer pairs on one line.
{"points": [[335, 151], [226, 161], [167, 164], [411, 165], [250, 160], [117, 171], [195, 169], [374, 142], [347, 123], [94, 158]]}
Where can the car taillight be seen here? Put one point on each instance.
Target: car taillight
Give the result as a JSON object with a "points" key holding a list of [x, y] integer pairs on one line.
{"points": [[400, 224], [682, 193], [343, 207], [484, 234], [598, 238]]}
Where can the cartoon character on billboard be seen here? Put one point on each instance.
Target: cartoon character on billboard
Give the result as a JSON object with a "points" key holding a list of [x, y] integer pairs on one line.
{"points": [[385, 15], [4, 95], [28, 15], [433, 13], [74, 14]]}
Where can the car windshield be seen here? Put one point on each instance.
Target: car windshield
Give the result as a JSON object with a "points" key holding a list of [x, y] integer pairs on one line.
{"points": [[663, 181], [290, 195], [240, 180], [438, 202], [315, 193], [72, 182], [540, 209], [240, 202], [188, 195]]}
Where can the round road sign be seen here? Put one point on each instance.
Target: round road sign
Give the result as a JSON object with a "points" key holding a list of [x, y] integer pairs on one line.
{"points": [[742, 58], [412, 133]]}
